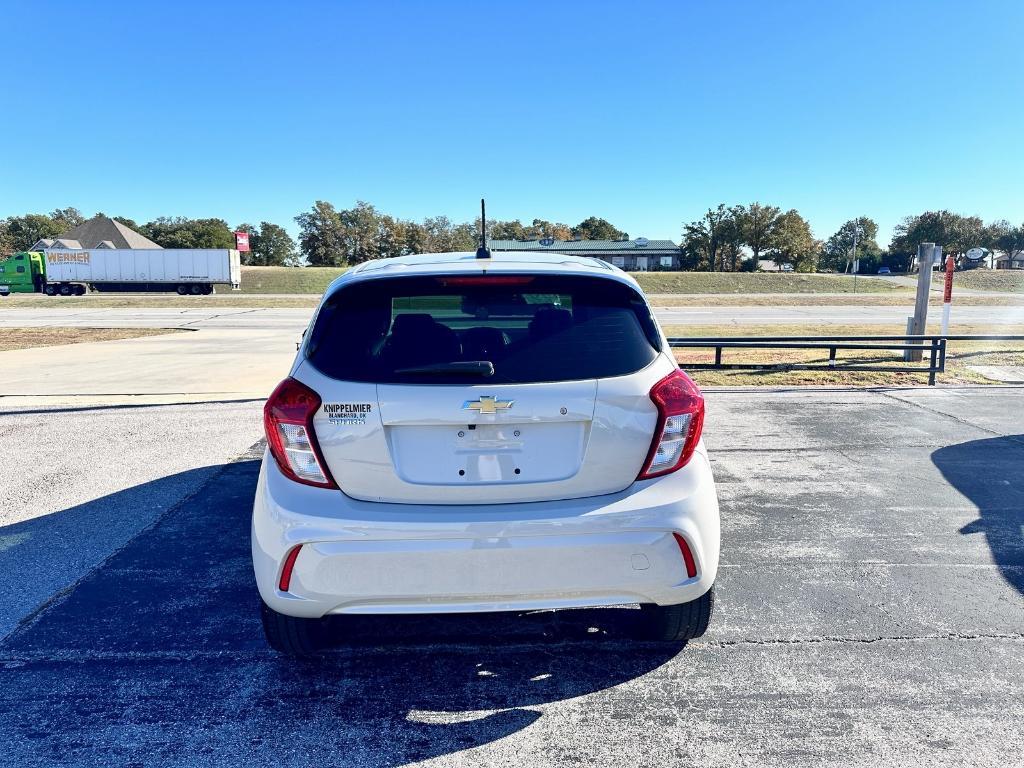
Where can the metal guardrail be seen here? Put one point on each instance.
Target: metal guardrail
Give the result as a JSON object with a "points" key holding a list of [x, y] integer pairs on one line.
{"points": [[933, 346]]}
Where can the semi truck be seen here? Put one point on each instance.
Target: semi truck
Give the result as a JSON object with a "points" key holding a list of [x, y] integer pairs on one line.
{"points": [[73, 272]]}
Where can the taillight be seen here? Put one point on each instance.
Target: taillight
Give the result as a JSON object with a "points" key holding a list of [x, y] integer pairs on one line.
{"points": [[288, 421], [680, 420]]}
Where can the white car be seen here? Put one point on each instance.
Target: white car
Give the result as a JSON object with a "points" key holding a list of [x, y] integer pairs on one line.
{"points": [[433, 451]]}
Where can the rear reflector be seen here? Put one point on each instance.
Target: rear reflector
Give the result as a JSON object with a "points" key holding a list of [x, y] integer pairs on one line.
{"points": [[286, 571], [680, 421], [691, 566], [288, 422]]}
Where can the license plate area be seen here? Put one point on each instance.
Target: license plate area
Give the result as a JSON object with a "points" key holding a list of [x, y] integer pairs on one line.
{"points": [[485, 454]]}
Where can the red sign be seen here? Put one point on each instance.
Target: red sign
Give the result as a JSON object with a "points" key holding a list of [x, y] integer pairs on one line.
{"points": [[241, 241], [947, 296]]}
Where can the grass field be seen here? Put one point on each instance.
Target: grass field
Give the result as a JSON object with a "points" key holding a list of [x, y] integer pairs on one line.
{"points": [[895, 299], [288, 279], [958, 356], [25, 338], [759, 282], [315, 279], [1006, 280]]}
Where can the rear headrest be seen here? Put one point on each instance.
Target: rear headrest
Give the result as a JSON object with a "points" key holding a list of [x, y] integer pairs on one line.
{"points": [[412, 324], [550, 320]]}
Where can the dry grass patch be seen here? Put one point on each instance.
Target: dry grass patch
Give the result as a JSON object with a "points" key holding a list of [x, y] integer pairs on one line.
{"points": [[159, 301], [27, 338], [826, 300], [960, 354]]}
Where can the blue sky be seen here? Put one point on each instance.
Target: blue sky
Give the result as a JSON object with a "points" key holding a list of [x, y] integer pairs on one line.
{"points": [[643, 113]]}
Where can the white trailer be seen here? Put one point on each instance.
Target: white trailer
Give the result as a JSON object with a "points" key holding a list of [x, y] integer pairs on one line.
{"points": [[187, 271]]}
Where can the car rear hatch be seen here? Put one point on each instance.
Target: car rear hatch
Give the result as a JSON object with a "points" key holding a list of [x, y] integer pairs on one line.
{"points": [[484, 389]]}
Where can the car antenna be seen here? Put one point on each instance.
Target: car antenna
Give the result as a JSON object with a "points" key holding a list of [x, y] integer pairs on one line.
{"points": [[483, 252]]}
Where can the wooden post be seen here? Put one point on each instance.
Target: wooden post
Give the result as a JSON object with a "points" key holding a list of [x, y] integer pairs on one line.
{"points": [[926, 257]]}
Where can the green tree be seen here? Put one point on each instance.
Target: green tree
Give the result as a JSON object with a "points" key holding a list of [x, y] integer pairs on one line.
{"points": [[758, 224], [733, 238], [553, 229], [506, 230], [321, 236], [598, 229], [416, 239], [67, 218], [793, 243], [955, 233], [1010, 240], [360, 232], [837, 252], [271, 245], [391, 234], [703, 240], [6, 240], [24, 231], [183, 232]]}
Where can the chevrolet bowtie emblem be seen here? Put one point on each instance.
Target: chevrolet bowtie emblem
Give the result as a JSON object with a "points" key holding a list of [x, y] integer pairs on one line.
{"points": [[487, 404]]}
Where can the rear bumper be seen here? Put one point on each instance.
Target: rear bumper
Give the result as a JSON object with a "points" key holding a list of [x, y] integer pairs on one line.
{"points": [[367, 557]]}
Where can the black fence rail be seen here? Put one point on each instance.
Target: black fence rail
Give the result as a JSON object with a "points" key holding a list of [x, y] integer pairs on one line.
{"points": [[932, 348]]}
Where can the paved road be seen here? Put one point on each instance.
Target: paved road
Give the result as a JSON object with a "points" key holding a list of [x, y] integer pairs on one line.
{"points": [[292, 321], [225, 355], [243, 353], [871, 609]]}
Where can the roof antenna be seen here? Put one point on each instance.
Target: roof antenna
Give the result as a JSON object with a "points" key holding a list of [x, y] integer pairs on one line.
{"points": [[483, 252]]}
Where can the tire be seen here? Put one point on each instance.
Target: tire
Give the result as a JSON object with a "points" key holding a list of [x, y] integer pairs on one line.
{"points": [[65, 290], [197, 290], [182, 290], [673, 623], [291, 635], [79, 290], [50, 290]]}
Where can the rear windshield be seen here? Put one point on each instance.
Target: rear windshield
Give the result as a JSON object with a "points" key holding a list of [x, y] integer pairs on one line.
{"points": [[498, 329]]}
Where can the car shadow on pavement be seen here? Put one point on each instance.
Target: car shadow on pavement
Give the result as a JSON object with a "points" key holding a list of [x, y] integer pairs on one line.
{"points": [[990, 473], [157, 657]]}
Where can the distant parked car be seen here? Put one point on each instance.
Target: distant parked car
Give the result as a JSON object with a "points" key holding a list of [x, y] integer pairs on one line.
{"points": [[787, 267], [884, 271]]}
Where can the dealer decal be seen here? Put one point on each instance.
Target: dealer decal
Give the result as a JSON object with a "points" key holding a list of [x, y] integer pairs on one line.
{"points": [[352, 414]]}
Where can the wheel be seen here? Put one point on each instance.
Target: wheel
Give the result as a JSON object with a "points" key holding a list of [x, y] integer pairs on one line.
{"points": [[291, 635], [50, 290], [197, 290], [207, 290], [686, 621], [79, 290], [182, 290], [65, 290]]}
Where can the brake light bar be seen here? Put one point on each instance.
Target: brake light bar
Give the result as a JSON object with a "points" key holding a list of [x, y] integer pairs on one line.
{"points": [[288, 422], [486, 280], [680, 422]]}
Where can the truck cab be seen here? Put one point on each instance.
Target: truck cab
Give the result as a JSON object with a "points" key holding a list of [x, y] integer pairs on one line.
{"points": [[22, 272]]}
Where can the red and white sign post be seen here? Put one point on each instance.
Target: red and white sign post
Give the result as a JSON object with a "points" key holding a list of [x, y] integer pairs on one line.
{"points": [[241, 241], [947, 295]]}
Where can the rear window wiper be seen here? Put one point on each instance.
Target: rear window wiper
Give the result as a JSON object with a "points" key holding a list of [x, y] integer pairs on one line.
{"points": [[460, 367]]}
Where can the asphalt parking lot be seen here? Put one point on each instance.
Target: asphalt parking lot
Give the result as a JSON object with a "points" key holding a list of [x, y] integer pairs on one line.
{"points": [[871, 608]]}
